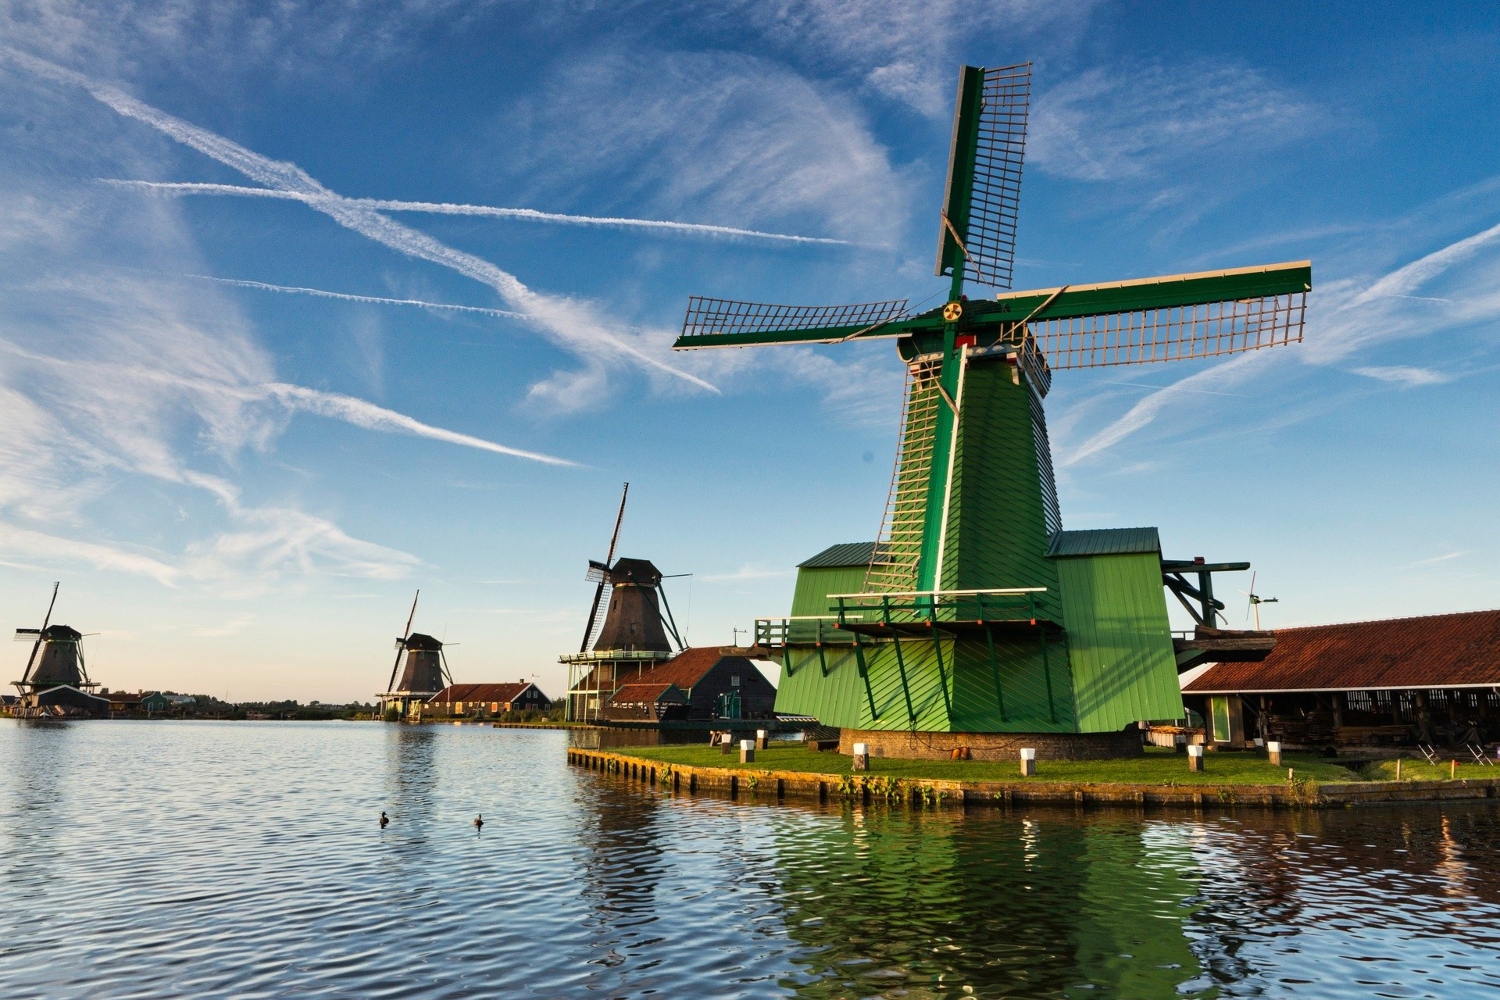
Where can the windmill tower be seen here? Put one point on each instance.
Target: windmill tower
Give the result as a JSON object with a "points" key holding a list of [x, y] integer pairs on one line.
{"points": [[966, 593], [56, 680], [622, 637], [426, 671]]}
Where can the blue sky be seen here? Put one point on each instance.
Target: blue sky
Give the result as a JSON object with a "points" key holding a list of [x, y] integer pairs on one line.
{"points": [[241, 486]]}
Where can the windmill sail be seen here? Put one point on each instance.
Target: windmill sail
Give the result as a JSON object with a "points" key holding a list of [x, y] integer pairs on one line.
{"points": [[1171, 318], [894, 560], [727, 323], [983, 197]]}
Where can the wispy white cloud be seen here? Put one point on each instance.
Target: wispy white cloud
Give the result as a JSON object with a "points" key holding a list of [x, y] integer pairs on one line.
{"points": [[448, 208], [908, 50], [571, 323], [1407, 375], [1146, 410], [1109, 124], [715, 134], [51, 548], [1442, 558], [744, 573]]}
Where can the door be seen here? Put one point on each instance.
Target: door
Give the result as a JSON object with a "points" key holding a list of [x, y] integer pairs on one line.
{"points": [[1218, 710]]}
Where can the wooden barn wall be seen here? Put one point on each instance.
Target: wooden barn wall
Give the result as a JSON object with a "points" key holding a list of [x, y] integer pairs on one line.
{"points": [[814, 586], [1119, 640]]}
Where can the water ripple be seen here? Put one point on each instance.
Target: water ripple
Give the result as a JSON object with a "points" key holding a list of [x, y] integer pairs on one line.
{"points": [[244, 860]]}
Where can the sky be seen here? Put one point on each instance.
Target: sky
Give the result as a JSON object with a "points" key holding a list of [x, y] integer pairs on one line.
{"points": [[304, 307]]}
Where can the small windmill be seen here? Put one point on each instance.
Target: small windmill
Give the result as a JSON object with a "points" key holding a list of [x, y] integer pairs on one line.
{"points": [[1254, 601], [56, 658], [1019, 337], [426, 670], [624, 634]]}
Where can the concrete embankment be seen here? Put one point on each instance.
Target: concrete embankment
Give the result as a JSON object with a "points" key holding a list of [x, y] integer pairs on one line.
{"points": [[766, 784]]}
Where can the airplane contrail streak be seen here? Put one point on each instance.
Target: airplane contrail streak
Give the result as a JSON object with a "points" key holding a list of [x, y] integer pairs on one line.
{"points": [[348, 297], [493, 211]]}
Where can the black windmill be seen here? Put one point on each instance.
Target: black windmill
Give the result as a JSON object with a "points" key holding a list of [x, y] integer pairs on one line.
{"points": [[426, 672], [624, 634], [56, 680]]}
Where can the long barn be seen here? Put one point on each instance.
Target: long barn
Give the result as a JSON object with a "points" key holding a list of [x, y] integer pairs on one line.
{"points": [[1433, 680]]}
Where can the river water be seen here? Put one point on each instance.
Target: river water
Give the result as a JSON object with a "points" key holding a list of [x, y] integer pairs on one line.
{"points": [[182, 859]]}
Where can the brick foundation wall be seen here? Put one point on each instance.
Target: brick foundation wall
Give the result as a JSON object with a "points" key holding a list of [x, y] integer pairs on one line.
{"points": [[993, 746]]}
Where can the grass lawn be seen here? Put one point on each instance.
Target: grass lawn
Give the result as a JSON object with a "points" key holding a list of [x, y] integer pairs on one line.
{"points": [[1420, 770], [1155, 767]]}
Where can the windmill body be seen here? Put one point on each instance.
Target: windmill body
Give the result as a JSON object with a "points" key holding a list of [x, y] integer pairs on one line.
{"points": [[623, 636], [424, 672], [55, 682], [976, 612]]}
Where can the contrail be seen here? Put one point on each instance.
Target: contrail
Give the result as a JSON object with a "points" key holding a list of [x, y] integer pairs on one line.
{"points": [[363, 413], [568, 321], [347, 297], [350, 409], [448, 208]]}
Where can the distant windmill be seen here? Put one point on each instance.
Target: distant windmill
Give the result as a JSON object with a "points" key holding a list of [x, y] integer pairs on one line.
{"points": [[426, 670], [1255, 601], [56, 661], [624, 635]]}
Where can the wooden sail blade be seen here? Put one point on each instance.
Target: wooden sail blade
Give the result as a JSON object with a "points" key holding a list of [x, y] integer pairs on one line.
{"points": [[726, 323], [982, 201], [1172, 318]]}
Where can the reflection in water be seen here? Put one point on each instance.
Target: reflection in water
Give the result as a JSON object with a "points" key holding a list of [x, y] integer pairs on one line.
{"points": [[1033, 906], [228, 860]]}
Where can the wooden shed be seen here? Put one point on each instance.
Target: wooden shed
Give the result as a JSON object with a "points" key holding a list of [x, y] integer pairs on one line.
{"points": [[1399, 681]]}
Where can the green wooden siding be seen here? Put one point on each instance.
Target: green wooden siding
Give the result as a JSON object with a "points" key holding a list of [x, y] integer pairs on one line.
{"points": [[1119, 640], [997, 533], [814, 586]]}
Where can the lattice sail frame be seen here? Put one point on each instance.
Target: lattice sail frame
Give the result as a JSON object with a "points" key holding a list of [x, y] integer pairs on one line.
{"points": [[999, 151], [707, 316], [898, 549], [1175, 333]]}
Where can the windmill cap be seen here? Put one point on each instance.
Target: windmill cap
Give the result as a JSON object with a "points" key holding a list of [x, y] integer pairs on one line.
{"points": [[639, 572], [420, 640], [63, 632]]}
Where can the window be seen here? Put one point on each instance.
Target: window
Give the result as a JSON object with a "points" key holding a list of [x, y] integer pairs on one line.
{"points": [[734, 680]]}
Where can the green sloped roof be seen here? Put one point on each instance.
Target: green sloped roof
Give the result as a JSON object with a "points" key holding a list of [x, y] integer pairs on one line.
{"points": [[843, 554], [1103, 542]]}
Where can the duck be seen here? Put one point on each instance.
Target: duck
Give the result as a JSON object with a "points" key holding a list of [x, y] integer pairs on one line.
{"points": [[384, 819], [478, 822]]}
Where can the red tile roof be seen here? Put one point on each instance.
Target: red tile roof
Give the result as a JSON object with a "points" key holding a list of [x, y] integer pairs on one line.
{"points": [[688, 667], [502, 693], [1454, 650], [646, 694]]}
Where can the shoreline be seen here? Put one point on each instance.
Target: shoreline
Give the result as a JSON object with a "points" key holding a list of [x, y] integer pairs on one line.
{"points": [[770, 784]]}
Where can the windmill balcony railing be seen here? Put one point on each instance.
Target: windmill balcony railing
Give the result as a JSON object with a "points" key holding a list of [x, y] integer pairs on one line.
{"points": [[615, 655], [905, 613]]}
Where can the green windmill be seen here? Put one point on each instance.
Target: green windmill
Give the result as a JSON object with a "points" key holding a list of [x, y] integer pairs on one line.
{"points": [[974, 612]]}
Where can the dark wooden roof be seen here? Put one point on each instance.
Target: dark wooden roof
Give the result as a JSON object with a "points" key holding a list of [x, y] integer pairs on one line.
{"points": [[421, 640], [1103, 542], [481, 692], [688, 667], [1456, 650], [648, 694]]}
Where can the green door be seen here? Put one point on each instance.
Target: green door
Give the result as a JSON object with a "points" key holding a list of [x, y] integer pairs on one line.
{"points": [[1218, 708]]}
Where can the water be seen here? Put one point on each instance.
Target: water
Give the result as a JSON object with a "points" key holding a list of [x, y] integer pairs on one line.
{"points": [[245, 860]]}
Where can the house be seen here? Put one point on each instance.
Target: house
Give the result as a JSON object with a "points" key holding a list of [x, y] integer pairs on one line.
{"points": [[479, 700], [651, 702], [718, 683], [1398, 681], [155, 702], [122, 703]]}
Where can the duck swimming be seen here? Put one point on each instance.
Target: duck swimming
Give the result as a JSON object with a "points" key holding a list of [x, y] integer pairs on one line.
{"points": [[383, 819]]}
